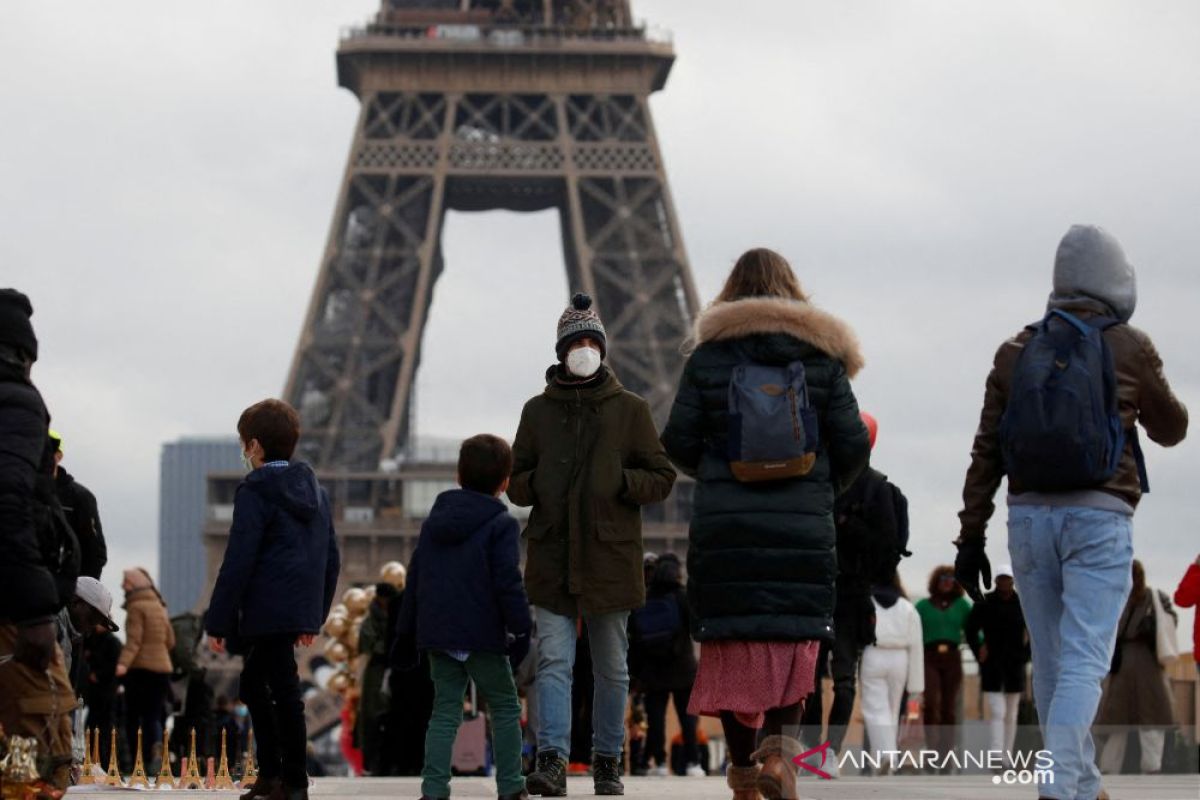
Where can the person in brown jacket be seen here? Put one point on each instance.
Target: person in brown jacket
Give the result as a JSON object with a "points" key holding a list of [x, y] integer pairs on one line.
{"points": [[1071, 548], [145, 662]]}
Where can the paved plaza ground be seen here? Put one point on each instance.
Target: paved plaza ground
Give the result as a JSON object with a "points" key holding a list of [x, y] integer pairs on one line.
{"points": [[971, 787]]}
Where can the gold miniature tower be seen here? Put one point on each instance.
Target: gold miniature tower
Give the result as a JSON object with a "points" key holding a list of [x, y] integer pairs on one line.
{"points": [[96, 760], [224, 779], [190, 778], [249, 764], [139, 777], [86, 775], [114, 771], [166, 778]]}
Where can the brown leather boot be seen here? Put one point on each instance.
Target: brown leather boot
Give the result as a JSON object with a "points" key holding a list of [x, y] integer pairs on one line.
{"points": [[744, 782], [777, 779]]}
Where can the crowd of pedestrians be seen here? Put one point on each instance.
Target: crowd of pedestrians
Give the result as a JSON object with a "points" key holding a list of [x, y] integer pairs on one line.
{"points": [[792, 571]]}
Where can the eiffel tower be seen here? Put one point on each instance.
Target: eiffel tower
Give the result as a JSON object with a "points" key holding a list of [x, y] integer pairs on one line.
{"points": [[472, 105]]}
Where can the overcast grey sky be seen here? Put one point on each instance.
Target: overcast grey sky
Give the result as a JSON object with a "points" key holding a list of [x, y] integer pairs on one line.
{"points": [[168, 172]]}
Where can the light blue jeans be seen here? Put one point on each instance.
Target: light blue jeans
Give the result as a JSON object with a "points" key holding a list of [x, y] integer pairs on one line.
{"points": [[1072, 568], [556, 664]]}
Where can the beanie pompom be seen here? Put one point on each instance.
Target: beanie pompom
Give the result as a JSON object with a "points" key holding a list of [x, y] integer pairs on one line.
{"points": [[581, 302]]}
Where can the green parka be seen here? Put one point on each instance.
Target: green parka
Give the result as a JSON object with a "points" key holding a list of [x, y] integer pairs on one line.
{"points": [[587, 460], [761, 556]]}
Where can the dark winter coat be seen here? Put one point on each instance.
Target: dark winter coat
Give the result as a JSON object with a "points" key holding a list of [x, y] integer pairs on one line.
{"points": [[281, 563], [464, 588], [673, 667], [865, 519], [587, 460], [79, 504], [28, 590], [1003, 627], [1138, 692], [761, 557]]}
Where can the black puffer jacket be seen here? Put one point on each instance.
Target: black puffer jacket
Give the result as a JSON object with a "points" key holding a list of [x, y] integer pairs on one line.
{"points": [[28, 590], [761, 559], [79, 504]]}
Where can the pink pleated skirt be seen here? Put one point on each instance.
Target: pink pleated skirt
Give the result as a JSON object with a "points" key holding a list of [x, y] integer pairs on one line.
{"points": [[750, 678]]}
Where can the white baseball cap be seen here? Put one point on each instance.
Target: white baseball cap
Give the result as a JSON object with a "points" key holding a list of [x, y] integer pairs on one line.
{"points": [[92, 592]]}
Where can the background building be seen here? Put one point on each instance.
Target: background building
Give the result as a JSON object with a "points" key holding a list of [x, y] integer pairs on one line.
{"points": [[183, 507]]}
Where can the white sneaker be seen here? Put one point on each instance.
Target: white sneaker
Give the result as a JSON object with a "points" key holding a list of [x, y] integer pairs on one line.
{"points": [[830, 767], [660, 771], [696, 771], [831, 763]]}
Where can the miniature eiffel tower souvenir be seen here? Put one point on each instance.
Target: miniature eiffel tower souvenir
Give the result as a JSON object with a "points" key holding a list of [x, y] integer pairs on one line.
{"points": [[249, 764], [189, 775], [139, 778], [224, 779], [166, 779], [85, 772], [114, 771]]}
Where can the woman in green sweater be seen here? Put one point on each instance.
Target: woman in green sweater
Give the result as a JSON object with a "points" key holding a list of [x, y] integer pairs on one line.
{"points": [[943, 616]]}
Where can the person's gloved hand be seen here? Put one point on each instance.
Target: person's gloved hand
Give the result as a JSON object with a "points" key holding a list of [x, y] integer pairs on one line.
{"points": [[36, 645], [970, 565], [518, 648]]}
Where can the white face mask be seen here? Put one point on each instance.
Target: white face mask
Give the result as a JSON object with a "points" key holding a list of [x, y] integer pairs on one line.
{"points": [[246, 462], [583, 361]]}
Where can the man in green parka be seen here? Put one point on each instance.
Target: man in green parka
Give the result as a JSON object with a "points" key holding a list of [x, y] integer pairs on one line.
{"points": [[586, 458]]}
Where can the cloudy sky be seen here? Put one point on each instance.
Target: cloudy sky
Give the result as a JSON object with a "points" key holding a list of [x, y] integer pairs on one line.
{"points": [[168, 172]]}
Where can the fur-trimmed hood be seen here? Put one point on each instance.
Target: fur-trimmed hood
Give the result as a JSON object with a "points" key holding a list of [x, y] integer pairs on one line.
{"points": [[767, 315]]}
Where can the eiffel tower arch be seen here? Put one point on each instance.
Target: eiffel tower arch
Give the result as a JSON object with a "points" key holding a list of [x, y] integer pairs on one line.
{"points": [[473, 105]]}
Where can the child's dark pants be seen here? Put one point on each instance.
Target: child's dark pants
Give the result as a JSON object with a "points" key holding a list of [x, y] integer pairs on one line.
{"points": [[270, 688]]}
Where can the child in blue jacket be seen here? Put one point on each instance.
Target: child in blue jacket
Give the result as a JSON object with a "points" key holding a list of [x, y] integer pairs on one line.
{"points": [[465, 605], [274, 591]]}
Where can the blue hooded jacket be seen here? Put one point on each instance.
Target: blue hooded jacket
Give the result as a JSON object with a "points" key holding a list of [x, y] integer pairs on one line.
{"points": [[281, 563], [464, 587]]}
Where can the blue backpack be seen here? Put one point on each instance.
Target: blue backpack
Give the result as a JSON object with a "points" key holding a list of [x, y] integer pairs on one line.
{"points": [[772, 427], [1062, 429], [657, 623]]}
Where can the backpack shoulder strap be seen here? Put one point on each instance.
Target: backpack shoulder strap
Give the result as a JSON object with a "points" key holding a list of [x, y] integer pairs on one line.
{"points": [[1143, 475]]}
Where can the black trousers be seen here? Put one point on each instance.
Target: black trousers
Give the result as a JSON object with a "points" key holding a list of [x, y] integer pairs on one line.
{"points": [[270, 688], [145, 708], [656, 721], [838, 659]]}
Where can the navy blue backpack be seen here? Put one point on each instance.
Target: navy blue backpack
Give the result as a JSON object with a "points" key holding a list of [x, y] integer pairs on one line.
{"points": [[1062, 428], [772, 427], [658, 622]]}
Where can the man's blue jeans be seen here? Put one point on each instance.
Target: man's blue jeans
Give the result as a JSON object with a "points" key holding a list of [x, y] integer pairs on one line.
{"points": [[1072, 568], [556, 663]]}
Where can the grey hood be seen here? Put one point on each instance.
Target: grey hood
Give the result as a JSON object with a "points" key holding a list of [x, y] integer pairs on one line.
{"points": [[1090, 264]]}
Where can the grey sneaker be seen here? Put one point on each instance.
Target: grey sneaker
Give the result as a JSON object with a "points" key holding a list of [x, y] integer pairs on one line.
{"points": [[606, 775], [549, 778]]}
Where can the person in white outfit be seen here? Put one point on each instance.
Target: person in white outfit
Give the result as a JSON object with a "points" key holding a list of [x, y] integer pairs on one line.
{"points": [[895, 662]]}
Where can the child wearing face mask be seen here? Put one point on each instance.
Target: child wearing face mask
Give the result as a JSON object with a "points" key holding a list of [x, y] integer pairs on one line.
{"points": [[586, 458], [274, 591]]}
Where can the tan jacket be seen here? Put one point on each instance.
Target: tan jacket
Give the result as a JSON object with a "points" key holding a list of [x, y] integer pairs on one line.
{"points": [[1143, 395], [149, 636]]}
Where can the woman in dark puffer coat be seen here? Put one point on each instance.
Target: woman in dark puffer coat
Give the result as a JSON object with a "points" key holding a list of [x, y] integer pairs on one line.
{"points": [[761, 559]]}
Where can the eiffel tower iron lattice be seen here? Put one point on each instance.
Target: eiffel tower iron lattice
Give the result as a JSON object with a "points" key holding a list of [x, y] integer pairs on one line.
{"points": [[472, 105]]}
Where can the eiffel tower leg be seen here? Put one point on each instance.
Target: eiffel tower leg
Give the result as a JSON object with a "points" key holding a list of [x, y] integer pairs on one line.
{"points": [[352, 375]]}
